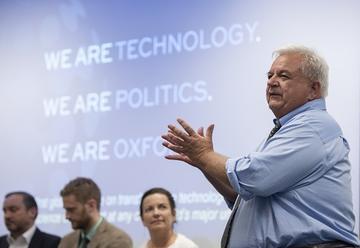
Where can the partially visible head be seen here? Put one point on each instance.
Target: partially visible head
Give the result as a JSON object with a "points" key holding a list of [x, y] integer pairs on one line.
{"points": [[20, 211], [297, 75], [81, 201], [157, 209]]}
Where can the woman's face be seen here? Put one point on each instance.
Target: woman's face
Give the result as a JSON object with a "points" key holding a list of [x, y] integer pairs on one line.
{"points": [[157, 213]]}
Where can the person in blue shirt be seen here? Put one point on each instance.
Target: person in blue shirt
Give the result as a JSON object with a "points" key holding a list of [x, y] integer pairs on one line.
{"points": [[295, 189]]}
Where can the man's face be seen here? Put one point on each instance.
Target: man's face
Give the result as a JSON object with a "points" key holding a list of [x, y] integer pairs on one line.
{"points": [[17, 218], [287, 88], [76, 212]]}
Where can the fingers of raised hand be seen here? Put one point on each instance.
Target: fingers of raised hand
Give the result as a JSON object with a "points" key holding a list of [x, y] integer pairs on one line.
{"points": [[173, 139], [187, 128], [210, 130], [174, 148], [175, 157], [201, 131], [175, 132]]}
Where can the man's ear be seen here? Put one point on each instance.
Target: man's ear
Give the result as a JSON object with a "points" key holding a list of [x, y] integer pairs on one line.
{"points": [[92, 204], [33, 212], [315, 91]]}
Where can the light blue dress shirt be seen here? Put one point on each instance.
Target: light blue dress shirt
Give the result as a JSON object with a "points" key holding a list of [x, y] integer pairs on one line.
{"points": [[296, 188]]}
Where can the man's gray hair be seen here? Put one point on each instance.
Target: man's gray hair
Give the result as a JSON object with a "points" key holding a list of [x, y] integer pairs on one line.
{"points": [[313, 66]]}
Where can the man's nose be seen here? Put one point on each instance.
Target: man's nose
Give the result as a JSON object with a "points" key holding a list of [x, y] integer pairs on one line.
{"points": [[272, 81], [7, 214]]}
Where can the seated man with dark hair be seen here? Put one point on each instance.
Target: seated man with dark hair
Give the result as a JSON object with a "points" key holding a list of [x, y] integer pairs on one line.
{"points": [[20, 212]]}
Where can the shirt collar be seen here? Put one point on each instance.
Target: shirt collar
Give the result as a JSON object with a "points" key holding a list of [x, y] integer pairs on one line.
{"points": [[314, 104], [29, 233], [93, 230], [26, 235]]}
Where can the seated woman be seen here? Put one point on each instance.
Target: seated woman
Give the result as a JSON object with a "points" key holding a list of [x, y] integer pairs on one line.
{"points": [[158, 214]]}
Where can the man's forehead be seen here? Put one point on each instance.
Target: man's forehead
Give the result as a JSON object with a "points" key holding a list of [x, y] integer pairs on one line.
{"points": [[289, 62], [13, 200], [70, 200]]}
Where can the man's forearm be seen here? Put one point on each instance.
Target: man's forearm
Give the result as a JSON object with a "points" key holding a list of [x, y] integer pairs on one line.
{"points": [[213, 167]]}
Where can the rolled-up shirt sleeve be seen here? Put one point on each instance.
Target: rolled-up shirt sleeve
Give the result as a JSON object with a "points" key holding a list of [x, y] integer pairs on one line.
{"points": [[293, 157], [231, 173]]}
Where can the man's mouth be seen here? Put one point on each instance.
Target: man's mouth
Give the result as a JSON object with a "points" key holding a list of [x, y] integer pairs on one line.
{"points": [[8, 223], [271, 94]]}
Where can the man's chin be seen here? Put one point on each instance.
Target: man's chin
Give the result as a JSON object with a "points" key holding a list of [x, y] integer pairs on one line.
{"points": [[75, 226], [273, 105], [276, 108], [11, 227]]}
